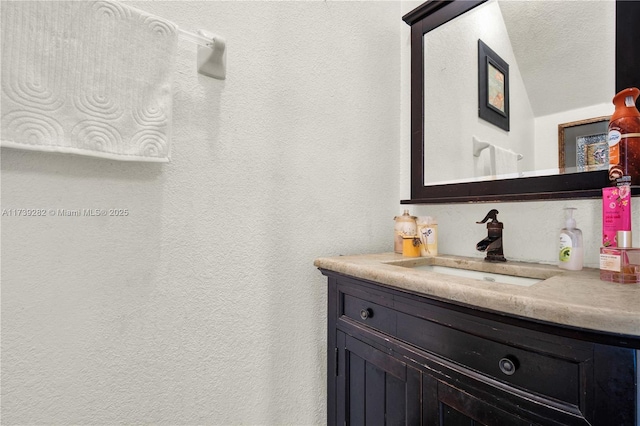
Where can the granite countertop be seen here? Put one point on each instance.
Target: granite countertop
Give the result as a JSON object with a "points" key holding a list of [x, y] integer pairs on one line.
{"points": [[573, 298]]}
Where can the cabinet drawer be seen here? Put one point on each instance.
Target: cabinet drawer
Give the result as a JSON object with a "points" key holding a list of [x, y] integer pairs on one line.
{"points": [[536, 372], [371, 314]]}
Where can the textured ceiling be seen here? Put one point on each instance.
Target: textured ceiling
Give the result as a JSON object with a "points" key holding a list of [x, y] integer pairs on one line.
{"points": [[565, 51]]}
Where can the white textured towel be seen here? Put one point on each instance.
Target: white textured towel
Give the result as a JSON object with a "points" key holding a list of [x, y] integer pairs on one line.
{"points": [[86, 77], [504, 162]]}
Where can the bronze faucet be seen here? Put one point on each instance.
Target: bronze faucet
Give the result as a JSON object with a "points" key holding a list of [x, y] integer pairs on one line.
{"points": [[492, 245]]}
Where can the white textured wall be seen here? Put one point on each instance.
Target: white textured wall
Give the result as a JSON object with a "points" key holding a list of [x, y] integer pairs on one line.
{"points": [[563, 78], [203, 306]]}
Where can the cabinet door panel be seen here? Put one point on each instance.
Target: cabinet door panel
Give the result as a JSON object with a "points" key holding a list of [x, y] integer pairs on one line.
{"points": [[451, 417], [355, 390], [446, 405], [369, 407], [395, 400], [378, 389]]}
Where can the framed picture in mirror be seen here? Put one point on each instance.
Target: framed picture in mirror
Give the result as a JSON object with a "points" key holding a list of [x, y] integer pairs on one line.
{"points": [[493, 87], [582, 145]]}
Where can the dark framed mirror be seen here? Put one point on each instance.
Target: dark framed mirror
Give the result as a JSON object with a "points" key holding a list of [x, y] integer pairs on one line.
{"points": [[436, 13]]}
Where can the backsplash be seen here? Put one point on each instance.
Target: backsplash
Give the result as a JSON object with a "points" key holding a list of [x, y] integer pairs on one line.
{"points": [[530, 228]]}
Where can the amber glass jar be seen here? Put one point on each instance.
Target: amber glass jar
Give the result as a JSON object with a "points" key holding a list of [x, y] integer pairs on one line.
{"points": [[624, 138]]}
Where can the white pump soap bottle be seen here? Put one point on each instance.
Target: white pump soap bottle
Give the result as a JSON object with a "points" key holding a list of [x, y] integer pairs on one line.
{"points": [[570, 254]]}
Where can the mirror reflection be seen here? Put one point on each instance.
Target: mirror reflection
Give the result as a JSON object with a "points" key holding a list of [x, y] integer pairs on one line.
{"points": [[561, 72]]}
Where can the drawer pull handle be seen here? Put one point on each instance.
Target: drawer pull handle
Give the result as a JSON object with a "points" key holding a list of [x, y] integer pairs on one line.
{"points": [[508, 365], [366, 313]]}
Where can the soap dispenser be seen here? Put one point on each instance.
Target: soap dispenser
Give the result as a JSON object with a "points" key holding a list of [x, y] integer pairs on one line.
{"points": [[570, 250]]}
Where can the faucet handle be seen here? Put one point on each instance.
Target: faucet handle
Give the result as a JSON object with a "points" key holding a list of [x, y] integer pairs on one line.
{"points": [[493, 215]]}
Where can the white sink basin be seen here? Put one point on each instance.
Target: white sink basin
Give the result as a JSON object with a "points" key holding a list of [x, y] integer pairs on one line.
{"points": [[479, 275]]}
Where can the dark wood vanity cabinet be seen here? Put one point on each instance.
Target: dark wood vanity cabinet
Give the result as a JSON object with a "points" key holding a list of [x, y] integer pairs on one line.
{"points": [[399, 358]]}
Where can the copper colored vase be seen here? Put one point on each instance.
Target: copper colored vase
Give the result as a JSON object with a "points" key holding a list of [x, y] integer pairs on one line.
{"points": [[624, 138]]}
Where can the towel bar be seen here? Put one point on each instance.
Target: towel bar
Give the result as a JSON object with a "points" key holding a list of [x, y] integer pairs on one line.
{"points": [[479, 145], [195, 38]]}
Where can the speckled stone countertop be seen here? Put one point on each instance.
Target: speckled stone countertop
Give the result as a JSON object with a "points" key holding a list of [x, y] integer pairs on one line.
{"points": [[573, 298]]}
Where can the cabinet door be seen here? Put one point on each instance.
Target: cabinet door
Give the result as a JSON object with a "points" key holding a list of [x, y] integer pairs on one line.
{"points": [[446, 405], [373, 387]]}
